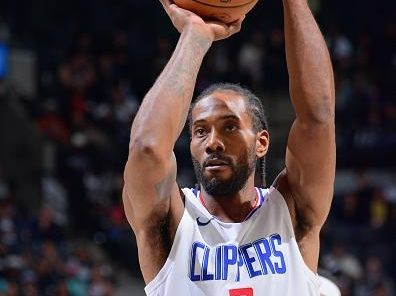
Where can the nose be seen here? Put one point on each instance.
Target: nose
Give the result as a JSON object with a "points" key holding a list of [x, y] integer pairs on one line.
{"points": [[214, 143]]}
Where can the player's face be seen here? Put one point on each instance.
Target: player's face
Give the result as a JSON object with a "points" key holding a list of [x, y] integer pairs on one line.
{"points": [[223, 144]]}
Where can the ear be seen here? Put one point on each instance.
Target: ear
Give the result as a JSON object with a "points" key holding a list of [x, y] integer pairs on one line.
{"points": [[262, 143]]}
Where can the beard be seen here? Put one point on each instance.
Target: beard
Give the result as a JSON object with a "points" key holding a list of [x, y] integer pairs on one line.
{"points": [[239, 176]]}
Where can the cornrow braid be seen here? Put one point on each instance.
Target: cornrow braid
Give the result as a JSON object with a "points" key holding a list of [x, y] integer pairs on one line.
{"points": [[256, 110]]}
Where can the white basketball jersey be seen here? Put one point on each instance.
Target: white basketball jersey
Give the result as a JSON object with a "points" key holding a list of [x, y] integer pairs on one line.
{"points": [[259, 256]]}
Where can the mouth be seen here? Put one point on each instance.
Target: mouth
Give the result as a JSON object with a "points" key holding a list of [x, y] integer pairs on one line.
{"points": [[216, 163]]}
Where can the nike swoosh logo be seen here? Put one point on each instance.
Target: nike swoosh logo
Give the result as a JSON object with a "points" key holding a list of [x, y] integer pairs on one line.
{"points": [[203, 223]]}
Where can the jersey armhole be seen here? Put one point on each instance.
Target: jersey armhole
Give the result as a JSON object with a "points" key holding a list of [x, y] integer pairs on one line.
{"points": [[182, 196], [312, 276], [155, 283]]}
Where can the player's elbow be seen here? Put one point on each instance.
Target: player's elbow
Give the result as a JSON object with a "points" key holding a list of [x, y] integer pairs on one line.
{"points": [[141, 146], [322, 116], [148, 163], [322, 113], [144, 149], [148, 159]]}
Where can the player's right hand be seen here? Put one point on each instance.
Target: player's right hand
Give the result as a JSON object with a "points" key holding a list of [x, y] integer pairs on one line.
{"points": [[183, 19]]}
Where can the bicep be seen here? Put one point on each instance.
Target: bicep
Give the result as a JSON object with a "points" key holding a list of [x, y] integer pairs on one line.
{"points": [[310, 169]]}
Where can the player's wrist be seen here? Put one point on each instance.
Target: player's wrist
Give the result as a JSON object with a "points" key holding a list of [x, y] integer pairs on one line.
{"points": [[200, 35]]}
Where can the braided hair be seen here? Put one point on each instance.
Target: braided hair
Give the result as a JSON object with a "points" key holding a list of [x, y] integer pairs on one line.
{"points": [[256, 110]]}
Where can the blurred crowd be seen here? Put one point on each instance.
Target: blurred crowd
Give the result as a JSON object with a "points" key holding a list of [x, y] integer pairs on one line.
{"points": [[37, 258], [96, 60], [358, 240]]}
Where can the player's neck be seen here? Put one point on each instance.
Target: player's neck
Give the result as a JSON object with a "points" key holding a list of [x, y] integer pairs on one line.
{"points": [[233, 208]]}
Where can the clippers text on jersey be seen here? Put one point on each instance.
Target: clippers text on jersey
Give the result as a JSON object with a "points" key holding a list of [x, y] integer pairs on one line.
{"points": [[259, 258]]}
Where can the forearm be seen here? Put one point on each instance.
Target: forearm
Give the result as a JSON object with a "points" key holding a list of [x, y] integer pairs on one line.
{"points": [[309, 65], [164, 110]]}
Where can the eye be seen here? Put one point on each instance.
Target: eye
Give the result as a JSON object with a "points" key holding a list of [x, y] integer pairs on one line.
{"points": [[199, 132], [231, 128]]}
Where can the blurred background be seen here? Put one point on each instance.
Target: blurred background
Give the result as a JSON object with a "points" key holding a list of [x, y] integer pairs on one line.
{"points": [[72, 75]]}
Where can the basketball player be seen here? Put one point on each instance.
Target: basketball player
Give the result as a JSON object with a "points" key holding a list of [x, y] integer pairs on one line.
{"points": [[228, 237]]}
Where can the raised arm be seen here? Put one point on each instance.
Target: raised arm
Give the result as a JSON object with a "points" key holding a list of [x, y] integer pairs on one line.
{"points": [[310, 157], [151, 196]]}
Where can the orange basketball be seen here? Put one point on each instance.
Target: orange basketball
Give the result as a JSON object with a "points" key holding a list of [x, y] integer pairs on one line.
{"points": [[226, 11]]}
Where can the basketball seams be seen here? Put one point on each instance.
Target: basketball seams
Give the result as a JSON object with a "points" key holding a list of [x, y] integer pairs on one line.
{"points": [[220, 6], [226, 11]]}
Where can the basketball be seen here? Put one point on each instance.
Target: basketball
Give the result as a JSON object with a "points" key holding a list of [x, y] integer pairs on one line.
{"points": [[225, 11]]}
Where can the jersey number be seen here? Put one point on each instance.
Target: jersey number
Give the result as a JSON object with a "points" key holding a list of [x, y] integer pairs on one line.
{"points": [[241, 292]]}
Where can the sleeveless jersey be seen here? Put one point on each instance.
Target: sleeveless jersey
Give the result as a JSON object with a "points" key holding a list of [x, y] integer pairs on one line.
{"points": [[257, 257]]}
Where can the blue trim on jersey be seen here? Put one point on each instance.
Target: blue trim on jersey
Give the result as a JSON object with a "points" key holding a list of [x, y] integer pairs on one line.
{"points": [[195, 191], [261, 195], [259, 206]]}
